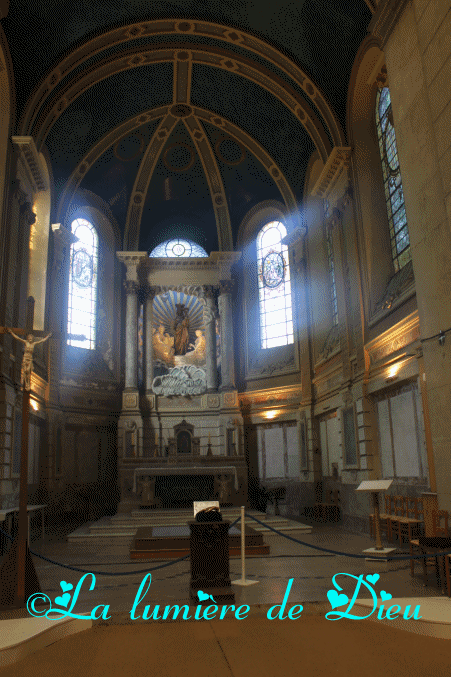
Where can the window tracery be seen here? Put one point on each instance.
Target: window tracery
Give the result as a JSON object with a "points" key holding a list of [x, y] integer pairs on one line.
{"points": [[394, 197], [178, 248], [82, 310], [274, 287]]}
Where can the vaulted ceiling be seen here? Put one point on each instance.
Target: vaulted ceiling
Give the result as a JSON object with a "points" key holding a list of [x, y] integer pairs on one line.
{"points": [[182, 115]]}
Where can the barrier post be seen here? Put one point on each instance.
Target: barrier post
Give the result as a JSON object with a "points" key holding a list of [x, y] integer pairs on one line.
{"points": [[242, 580]]}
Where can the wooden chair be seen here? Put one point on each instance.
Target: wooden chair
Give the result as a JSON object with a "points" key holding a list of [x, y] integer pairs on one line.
{"points": [[411, 525], [384, 519], [440, 527], [399, 513]]}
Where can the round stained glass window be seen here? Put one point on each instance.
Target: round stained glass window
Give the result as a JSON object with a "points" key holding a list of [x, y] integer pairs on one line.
{"points": [[273, 269], [82, 268]]}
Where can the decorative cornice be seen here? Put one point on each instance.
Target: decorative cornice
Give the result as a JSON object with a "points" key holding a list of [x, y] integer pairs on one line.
{"points": [[385, 19], [296, 237], [397, 337], [30, 157], [132, 260], [338, 160]]}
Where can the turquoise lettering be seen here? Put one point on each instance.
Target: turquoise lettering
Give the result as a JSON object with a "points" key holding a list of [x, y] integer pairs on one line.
{"points": [[139, 598]]}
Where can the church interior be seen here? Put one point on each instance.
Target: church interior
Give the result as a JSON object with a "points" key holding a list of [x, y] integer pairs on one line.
{"points": [[233, 221]]}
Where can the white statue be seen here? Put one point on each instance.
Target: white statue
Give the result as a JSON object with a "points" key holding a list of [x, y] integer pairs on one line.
{"points": [[163, 345], [27, 361]]}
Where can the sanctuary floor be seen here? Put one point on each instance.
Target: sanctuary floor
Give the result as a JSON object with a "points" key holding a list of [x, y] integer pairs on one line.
{"points": [[309, 644], [312, 571]]}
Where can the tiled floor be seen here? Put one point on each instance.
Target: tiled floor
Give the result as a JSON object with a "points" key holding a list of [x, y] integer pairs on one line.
{"points": [[312, 571]]}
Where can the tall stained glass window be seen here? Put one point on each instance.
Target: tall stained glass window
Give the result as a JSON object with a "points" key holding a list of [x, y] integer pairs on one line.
{"points": [[331, 265], [274, 287], [399, 234], [81, 324]]}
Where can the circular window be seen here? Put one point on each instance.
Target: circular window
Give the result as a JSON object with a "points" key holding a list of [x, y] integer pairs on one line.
{"points": [[273, 269]]}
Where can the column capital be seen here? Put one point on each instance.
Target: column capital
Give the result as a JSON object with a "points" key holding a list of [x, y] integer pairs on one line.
{"points": [[131, 287], [226, 286], [208, 291], [148, 292]]}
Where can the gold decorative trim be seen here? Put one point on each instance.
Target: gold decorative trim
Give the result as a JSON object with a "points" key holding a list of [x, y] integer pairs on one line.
{"points": [[142, 181], [397, 337], [129, 33], [208, 56], [215, 184], [200, 114]]}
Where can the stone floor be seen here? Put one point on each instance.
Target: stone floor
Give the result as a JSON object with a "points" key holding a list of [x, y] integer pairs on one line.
{"points": [[312, 571]]}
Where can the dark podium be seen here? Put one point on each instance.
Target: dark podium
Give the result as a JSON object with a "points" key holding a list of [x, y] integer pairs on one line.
{"points": [[209, 556]]}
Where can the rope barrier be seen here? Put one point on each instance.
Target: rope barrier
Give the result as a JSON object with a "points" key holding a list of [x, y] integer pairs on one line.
{"points": [[348, 554], [113, 573]]}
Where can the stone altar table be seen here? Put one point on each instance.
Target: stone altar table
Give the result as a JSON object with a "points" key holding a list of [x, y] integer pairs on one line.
{"points": [[162, 471]]}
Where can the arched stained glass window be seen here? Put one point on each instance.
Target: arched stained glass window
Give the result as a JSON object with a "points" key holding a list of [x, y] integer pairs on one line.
{"points": [[331, 265], [274, 287], [81, 323], [399, 234], [178, 249]]}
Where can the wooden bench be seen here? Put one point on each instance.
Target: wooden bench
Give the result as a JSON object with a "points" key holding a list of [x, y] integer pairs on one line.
{"points": [[403, 517]]}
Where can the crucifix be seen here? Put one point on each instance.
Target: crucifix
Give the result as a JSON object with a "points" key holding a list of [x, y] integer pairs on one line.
{"points": [[18, 578]]}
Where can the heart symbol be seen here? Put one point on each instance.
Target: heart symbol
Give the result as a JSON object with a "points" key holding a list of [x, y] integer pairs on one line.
{"points": [[202, 596], [337, 600], [64, 600], [66, 586], [385, 595], [372, 578]]}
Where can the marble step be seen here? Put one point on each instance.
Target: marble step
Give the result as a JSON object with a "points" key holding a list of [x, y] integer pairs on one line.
{"points": [[123, 534]]}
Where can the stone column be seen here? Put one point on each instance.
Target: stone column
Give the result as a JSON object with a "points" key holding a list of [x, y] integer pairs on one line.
{"points": [[131, 335], [148, 333], [210, 339], [227, 352]]}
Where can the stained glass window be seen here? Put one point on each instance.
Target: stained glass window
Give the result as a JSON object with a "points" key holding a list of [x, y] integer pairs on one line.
{"points": [[81, 324], [331, 265], [399, 234], [179, 249], [274, 287]]}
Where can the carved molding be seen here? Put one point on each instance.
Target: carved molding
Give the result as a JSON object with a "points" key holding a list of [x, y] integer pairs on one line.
{"points": [[401, 335], [403, 282], [30, 158], [134, 58], [337, 162], [385, 19], [331, 345]]}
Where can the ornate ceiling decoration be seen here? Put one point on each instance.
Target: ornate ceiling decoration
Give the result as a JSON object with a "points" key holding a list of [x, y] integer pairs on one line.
{"points": [[54, 95]]}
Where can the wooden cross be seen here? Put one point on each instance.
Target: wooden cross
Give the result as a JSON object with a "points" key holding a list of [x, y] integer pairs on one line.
{"points": [[18, 578]]}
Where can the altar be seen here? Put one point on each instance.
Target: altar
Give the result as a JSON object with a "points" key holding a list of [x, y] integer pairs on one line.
{"points": [[180, 417]]}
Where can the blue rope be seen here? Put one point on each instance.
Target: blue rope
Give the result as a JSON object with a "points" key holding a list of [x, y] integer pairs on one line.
{"points": [[346, 554], [114, 573]]}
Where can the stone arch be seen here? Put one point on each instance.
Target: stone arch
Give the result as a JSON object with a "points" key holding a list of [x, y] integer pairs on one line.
{"points": [[45, 108], [155, 147], [371, 212]]}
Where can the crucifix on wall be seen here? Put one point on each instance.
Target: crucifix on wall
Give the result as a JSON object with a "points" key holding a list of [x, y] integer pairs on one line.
{"points": [[18, 579]]}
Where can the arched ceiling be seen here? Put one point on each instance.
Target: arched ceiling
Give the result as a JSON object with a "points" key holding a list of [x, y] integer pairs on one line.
{"points": [[142, 109]]}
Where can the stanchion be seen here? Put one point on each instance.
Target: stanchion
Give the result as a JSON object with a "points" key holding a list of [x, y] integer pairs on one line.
{"points": [[243, 580]]}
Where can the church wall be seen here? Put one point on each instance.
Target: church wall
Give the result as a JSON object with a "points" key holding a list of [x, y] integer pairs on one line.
{"points": [[418, 57]]}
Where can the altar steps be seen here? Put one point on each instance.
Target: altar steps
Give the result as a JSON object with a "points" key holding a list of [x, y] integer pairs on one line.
{"points": [[121, 529]]}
